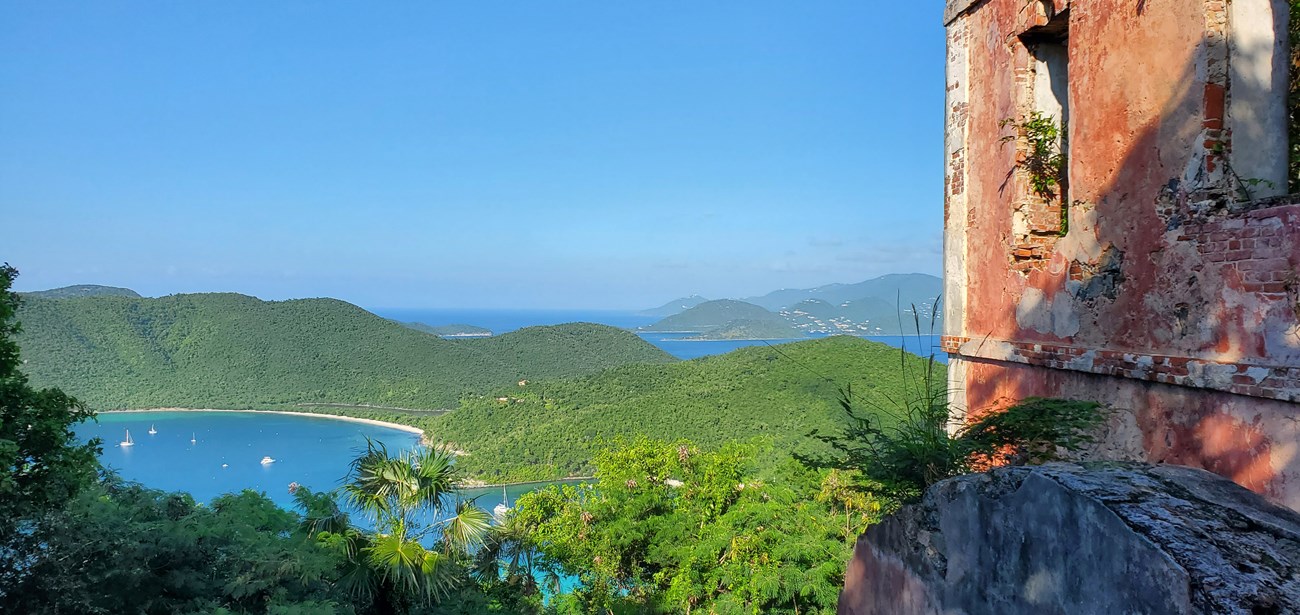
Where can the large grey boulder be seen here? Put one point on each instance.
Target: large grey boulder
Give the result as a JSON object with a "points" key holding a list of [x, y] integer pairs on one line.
{"points": [[1108, 538]]}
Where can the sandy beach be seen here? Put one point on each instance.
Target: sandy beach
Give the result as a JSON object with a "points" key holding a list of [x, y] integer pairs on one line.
{"points": [[406, 428]]}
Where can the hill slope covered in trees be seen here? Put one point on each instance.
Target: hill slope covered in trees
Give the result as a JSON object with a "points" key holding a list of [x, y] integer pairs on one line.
{"points": [[234, 351], [82, 290], [550, 429]]}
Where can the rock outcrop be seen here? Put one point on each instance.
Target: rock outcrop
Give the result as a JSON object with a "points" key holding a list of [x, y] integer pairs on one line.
{"points": [[1108, 538]]}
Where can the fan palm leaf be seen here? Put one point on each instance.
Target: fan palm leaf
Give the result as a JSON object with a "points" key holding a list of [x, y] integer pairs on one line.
{"points": [[468, 529]]}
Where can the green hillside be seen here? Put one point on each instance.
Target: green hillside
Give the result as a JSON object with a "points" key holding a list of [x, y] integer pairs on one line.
{"points": [[713, 314], [82, 290], [548, 429], [233, 351]]}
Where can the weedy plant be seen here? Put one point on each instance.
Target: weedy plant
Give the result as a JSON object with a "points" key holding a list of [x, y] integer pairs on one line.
{"points": [[908, 444]]}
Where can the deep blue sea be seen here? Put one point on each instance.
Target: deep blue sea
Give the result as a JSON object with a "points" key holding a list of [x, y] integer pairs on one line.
{"points": [[676, 344]]}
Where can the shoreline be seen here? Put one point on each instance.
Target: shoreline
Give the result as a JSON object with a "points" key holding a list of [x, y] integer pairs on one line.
{"points": [[339, 417], [473, 484]]}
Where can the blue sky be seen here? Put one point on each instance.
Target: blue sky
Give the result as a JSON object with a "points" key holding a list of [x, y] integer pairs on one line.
{"points": [[540, 154]]}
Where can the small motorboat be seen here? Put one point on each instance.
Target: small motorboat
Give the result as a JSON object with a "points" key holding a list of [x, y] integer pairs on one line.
{"points": [[128, 441], [153, 430], [266, 461]]}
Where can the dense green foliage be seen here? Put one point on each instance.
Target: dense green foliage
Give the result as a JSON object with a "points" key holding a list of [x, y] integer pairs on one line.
{"points": [[233, 351], [121, 548], [41, 463], [714, 314], [82, 290], [669, 528], [551, 429]]}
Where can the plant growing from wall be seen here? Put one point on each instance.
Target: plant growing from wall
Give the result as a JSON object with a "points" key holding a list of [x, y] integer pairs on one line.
{"points": [[1044, 159], [902, 460]]}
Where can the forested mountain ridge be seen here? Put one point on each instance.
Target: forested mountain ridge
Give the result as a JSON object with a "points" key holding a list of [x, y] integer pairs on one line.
{"points": [[549, 429], [82, 290], [234, 351]]}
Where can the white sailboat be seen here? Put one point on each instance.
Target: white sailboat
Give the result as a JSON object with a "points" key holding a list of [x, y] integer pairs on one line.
{"points": [[128, 441], [499, 513], [153, 430], [192, 439]]}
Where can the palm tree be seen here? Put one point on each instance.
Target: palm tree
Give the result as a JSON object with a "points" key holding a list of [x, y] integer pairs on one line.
{"points": [[510, 555], [406, 497]]}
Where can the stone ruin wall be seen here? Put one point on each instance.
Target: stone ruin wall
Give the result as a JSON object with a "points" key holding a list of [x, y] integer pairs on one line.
{"points": [[1174, 295]]}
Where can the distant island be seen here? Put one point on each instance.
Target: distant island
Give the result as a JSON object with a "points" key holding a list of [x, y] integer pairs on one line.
{"points": [[888, 305], [456, 330], [727, 319], [711, 315], [673, 307], [743, 329]]}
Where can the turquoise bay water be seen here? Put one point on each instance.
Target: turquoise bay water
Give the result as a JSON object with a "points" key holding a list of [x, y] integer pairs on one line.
{"points": [[226, 456]]}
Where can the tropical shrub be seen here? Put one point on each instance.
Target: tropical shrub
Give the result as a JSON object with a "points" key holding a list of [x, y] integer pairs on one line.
{"points": [[900, 451], [668, 527], [410, 500]]}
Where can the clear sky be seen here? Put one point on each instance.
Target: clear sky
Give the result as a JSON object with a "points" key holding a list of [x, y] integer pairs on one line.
{"points": [[539, 154]]}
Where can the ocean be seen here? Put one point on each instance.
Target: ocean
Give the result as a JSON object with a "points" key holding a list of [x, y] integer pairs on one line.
{"points": [[676, 344]]}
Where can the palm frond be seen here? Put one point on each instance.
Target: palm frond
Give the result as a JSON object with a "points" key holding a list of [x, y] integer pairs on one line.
{"points": [[468, 529]]}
